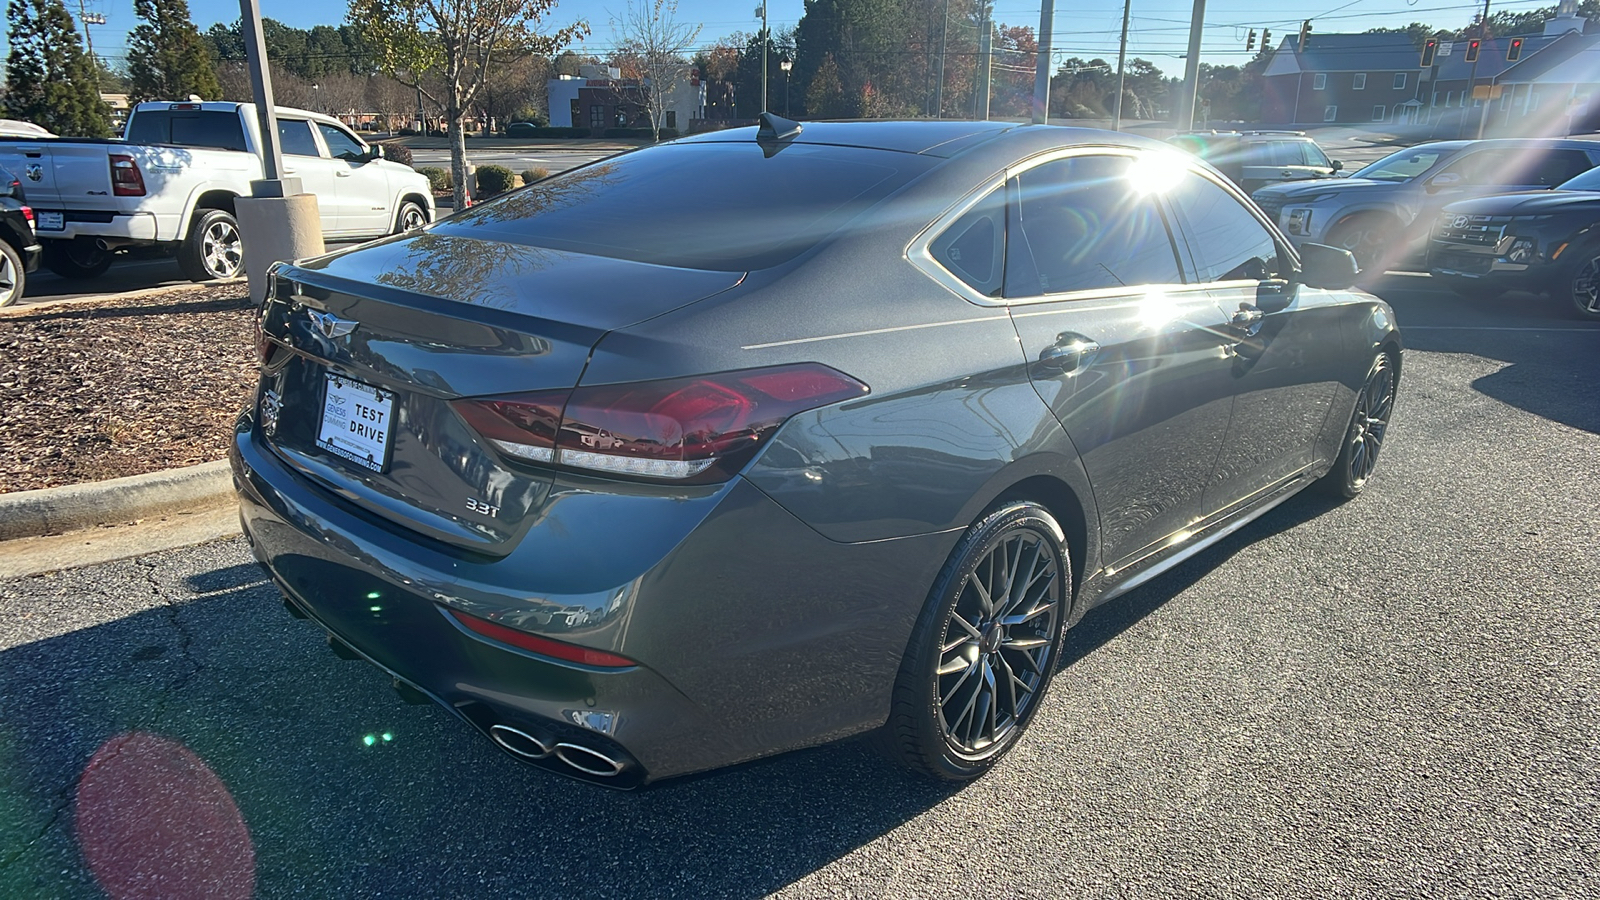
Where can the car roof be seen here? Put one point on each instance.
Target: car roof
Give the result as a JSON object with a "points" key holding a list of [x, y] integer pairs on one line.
{"points": [[230, 106], [939, 138]]}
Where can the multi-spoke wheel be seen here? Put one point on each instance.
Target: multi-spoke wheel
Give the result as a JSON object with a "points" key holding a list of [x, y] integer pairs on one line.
{"points": [[13, 281], [1585, 287], [981, 656], [1369, 425], [1371, 239], [411, 217], [213, 249]]}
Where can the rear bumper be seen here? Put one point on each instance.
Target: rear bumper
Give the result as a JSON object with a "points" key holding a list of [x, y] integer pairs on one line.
{"points": [[753, 634], [134, 228], [31, 255]]}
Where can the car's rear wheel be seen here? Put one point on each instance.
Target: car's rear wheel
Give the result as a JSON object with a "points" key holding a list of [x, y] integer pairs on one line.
{"points": [[13, 280], [213, 250], [1370, 239], [982, 653], [1584, 286], [1369, 426], [76, 259]]}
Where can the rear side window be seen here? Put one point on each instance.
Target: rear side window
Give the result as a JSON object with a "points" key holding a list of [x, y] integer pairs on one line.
{"points": [[973, 248], [294, 137], [720, 206], [1558, 166], [1080, 224], [216, 129], [1225, 240]]}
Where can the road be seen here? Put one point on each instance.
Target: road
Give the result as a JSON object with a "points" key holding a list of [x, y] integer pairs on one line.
{"points": [[1394, 696], [140, 274]]}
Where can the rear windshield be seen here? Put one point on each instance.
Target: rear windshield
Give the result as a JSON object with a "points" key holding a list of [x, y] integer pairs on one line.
{"points": [[726, 207], [219, 129]]}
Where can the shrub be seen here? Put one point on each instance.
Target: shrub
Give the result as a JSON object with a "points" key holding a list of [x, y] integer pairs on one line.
{"points": [[529, 176], [400, 153], [667, 134], [494, 180], [439, 180], [530, 115]]}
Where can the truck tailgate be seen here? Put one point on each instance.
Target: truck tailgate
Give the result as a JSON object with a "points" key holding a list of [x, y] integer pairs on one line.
{"points": [[61, 174]]}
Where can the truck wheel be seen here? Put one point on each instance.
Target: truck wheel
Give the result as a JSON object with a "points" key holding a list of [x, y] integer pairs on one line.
{"points": [[76, 259], [1584, 285], [13, 281], [1370, 239], [411, 217], [213, 249]]}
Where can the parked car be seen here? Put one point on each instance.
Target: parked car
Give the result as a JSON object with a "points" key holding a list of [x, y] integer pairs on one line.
{"points": [[765, 437], [522, 129], [1255, 159], [19, 247], [1545, 241], [172, 182], [16, 128], [1384, 212]]}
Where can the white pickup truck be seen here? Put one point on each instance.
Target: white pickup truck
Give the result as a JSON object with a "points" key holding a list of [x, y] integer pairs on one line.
{"points": [[169, 184]]}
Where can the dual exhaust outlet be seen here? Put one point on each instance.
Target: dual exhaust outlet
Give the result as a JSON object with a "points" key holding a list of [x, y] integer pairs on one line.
{"points": [[587, 760]]}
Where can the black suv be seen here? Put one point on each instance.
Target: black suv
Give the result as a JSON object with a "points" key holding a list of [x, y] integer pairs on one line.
{"points": [[1542, 241], [19, 249], [1255, 159]]}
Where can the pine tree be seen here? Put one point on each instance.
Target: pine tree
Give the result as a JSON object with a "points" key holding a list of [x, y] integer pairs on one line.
{"points": [[49, 78], [167, 58]]}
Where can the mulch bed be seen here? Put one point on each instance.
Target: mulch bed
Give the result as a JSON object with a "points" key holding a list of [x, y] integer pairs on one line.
{"points": [[123, 386]]}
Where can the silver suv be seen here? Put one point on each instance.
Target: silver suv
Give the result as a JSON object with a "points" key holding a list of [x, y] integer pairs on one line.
{"points": [[1381, 214], [1255, 159]]}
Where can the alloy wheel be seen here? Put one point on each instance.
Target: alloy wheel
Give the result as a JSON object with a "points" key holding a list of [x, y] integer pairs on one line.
{"points": [[1586, 288], [220, 248], [1374, 405], [997, 643], [412, 218], [8, 281]]}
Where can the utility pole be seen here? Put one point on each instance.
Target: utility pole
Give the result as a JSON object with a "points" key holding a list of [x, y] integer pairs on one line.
{"points": [[1191, 69], [1122, 75], [1472, 79], [1041, 72], [765, 39], [938, 89], [980, 97], [89, 18]]}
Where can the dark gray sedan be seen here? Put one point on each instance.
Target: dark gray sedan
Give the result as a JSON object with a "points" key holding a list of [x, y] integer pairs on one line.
{"points": [[760, 439]]}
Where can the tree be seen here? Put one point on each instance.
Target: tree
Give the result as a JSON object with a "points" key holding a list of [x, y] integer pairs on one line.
{"points": [[459, 41], [654, 43], [167, 58], [49, 78]]}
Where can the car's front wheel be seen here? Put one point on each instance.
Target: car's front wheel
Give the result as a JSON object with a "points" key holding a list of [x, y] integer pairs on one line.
{"points": [[1369, 426], [1371, 239], [213, 250], [411, 217], [983, 650], [1584, 286]]}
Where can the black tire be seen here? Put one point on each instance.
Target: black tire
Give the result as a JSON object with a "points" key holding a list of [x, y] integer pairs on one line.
{"points": [[1370, 239], [1368, 428], [412, 215], [213, 250], [76, 259], [1583, 284], [937, 726], [13, 280]]}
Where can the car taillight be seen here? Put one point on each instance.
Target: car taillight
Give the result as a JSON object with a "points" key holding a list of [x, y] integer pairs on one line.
{"points": [[126, 180], [27, 213], [693, 430], [541, 645]]}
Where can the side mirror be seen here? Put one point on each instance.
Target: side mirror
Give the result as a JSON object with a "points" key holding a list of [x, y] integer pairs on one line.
{"points": [[1336, 165], [1441, 181], [1327, 267], [374, 151]]}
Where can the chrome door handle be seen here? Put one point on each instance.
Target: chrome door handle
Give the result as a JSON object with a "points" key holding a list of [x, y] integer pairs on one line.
{"points": [[342, 174], [1069, 353], [1247, 316]]}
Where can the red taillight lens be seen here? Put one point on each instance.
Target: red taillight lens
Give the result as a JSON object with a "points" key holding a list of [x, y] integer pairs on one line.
{"points": [[541, 645], [695, 430], [27, 213], [126, 179]]}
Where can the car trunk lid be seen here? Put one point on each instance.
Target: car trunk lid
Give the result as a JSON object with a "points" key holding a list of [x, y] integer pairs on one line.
{"points": [[384, 337]]}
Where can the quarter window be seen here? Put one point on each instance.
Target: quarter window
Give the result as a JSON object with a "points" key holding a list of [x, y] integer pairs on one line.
{"points": [[1226, 241], [1082, 224], [973, 248]]}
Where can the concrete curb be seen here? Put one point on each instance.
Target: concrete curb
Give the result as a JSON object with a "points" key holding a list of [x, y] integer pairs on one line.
{"points": [[26, 514]]}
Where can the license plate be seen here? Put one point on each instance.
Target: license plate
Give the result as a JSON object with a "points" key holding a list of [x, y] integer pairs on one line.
{"points": [[357, 421], [52, 221]]}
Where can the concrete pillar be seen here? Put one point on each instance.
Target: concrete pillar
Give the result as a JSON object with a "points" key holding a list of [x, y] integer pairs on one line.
{"points": [[277, 229]]}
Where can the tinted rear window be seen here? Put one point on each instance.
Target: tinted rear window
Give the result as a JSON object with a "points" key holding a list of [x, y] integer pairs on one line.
{"points": [[218, 129], [701, 206]]}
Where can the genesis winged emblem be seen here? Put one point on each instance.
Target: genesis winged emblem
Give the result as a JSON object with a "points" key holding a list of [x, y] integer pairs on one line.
{"points": [[330, 325]]}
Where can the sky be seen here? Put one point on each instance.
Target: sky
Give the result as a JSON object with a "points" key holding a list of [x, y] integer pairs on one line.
{"points": [[1084, 28]]}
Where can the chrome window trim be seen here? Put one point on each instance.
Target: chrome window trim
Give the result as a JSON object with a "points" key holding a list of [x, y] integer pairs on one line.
{"points": [[920, 251]]}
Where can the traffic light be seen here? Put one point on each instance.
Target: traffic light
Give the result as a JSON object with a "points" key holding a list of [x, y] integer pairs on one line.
{"points": [[1429, 50], [1266, 39], [1305, 33], [1514, 51], [1472, 50], [1250, 42]]}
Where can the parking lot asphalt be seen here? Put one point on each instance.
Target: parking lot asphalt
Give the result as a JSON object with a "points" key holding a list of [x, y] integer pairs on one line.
{"points": [[1394, 696]]}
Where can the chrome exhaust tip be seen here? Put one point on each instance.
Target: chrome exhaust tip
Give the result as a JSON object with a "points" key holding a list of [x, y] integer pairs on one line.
{"points": [[588, 760], [519, 742]]}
